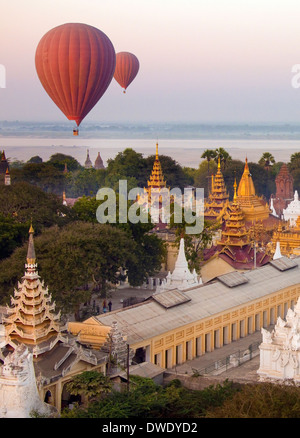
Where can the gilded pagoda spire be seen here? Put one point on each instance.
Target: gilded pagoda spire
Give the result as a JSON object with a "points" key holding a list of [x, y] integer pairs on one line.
{"points": [[254, 208], [234, 188], [31, 251], [157, 180], [218, 199], [246, 185]]}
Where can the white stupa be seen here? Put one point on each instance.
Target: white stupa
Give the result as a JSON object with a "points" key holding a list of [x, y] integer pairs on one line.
{"points": [[272, 208], [277, 254], [181, 278], [292, 211]]}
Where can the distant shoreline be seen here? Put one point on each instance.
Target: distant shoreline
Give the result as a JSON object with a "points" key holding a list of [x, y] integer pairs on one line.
{"points": [[187, 152]]}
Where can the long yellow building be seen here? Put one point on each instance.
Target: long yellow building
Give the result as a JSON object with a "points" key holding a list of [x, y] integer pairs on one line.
{"points": [[174, 326]]}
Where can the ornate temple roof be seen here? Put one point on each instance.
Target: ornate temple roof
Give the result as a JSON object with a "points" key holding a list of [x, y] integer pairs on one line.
{"points": [[235, 232], [31, 319], [292, 212], [217, 201], [289, 237], [236, 246], [157, 180]]}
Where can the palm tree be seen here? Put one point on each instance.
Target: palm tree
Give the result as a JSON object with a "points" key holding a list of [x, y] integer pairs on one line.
{"points": [[223, 155], [266, 160], [208, 154], [295, 161]]}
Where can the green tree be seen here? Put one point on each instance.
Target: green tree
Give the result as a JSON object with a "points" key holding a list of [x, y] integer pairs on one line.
{"points": [[90, 385], [36, 159], [209, 155], [150, 250], [74, 261], [24, 202], [265, 400], [12, 234], [266, 160], [223, 156], [44, 175], [59, 160], [149, 400], [128, 164], [294, 161]]}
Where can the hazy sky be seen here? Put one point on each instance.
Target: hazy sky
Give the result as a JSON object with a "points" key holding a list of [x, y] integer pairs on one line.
{"points": [[200, 60]]}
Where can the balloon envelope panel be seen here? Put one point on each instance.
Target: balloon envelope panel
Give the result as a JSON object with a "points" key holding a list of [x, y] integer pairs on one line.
{"points": [[75, 63]]}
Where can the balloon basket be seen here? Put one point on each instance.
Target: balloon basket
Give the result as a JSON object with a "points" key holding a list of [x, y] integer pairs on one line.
{"points": [[75, 132]]}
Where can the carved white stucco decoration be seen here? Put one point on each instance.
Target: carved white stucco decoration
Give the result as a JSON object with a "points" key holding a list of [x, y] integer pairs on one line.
{"points": [[280, 350], [292, 211], [19, 396]]}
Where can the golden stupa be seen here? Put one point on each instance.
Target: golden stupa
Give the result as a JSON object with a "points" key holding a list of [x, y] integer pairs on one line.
{"points": [[253, 207]]}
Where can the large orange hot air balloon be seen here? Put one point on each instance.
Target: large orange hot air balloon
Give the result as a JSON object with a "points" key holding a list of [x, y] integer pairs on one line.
{"points": [[127, 67], [75, 63]]}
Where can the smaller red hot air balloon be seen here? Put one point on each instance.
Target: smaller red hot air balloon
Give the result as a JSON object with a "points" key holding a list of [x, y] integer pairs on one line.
{"points": [[127, 67]]}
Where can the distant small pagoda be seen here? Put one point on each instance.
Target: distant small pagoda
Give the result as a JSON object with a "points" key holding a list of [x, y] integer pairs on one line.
{"points": [[88, 163], [99, 162], [4, 170]]}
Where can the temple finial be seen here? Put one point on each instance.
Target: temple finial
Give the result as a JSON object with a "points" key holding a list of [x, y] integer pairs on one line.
{"points": [[31, 251], [219, 163], [234, 186], [156, 156]]}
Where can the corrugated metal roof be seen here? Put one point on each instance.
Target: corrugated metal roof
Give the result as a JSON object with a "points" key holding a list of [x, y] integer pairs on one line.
{"points": [[170, 298], [149, 319], [233, 279], [283, 263]]}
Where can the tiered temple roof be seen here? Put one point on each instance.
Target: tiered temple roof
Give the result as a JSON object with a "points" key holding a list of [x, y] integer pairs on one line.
{"points": [[31, 319], [157, 180], [236, 245], [217, 202], [235, 232]]}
